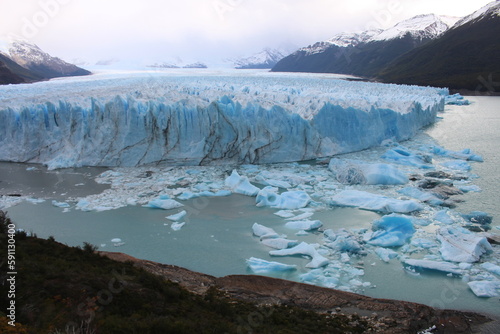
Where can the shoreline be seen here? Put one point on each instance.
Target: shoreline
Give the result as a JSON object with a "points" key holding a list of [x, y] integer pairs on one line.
{"points": [[395, 316]]}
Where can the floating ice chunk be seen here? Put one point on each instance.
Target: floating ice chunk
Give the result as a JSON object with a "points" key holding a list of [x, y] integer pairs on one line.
{"points": [[284, 214], [116, 240], [60, 204], [485, 289], [345, 258], [271, 182], [279, 243], [469, 188], [240, 184], [465, 154], [34, 200], [354, 172], [344, 243], [460, 245], [403, 156], [423, 243], [290, 200], [165, 204], [318, 277], [390, 231], [385, 254], [443, 217], [458, 165], [177, 216], [443, 266], [177, 226], [492, 268], [303, 248], [374, 202], [478, 217], [301, 233], [306, 225], [264, 232], [421, 195], [456, 99], [260, 266], [302, 216]]}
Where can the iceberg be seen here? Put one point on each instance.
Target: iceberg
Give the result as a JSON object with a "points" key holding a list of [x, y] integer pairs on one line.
{"points": [[485, 289], [303, 248], [491, 267], [385, 254], [200, 119], [240, 184], [263, 232], [354, 172], [374, 202], [461, 245], [260, 266], [290, 200], [401, 155], [456, 99], [443, 266], [279, 243], [465, 154], [305, 225], [390, 231], [177, 216], [457, 165], [165, 204], [421, 195]]}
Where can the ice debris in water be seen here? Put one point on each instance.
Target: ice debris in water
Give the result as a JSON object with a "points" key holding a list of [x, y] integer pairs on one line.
{"points": [[60, 204], [456, 99], [442, 266], [177, 226], [374, 202], [260, 266], [303, 249], [177, 216], [485, 289], [306, 225], [240, 184], [279, 243], [264, 232], [461, 245], [163, 202], [465, 154], [390, 231], [385, 254], [287, 200], [401, 155], [358, 172]]}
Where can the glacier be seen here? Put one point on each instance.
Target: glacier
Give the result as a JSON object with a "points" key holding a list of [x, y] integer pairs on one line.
{"points": [[202, 119]]}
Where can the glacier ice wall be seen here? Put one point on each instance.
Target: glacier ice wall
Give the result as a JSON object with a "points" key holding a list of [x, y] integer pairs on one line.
{"points": [[205, 120]]}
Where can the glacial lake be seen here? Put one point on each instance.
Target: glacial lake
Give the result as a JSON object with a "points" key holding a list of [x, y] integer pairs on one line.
{"points": [[218, 238]]}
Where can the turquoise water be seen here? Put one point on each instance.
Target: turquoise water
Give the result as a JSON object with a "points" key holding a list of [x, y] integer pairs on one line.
{"points": [[217, 237]]}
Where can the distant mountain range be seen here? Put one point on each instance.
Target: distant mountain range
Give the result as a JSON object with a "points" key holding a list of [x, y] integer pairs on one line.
{"points": [[459, 53], [267, 58], [365, 53], [21, 62]]}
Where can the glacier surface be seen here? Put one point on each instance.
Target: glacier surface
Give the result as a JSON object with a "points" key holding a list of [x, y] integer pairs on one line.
{"points": [[201, 119]]}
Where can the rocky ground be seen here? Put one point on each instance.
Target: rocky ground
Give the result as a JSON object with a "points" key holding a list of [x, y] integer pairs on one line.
{"points": [[387, 316]]}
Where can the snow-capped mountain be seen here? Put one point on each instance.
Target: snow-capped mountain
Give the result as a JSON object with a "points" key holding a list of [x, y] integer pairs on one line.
{"points": [[364, 53], [266, 58], [36, 63], [464, 57]]}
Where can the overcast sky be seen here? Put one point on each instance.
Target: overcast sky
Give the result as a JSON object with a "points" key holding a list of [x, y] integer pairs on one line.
{"points": [[208, 30]]}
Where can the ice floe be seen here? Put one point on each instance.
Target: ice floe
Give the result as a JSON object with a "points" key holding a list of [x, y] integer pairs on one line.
{"points": [[260, 266], [374, 202]]}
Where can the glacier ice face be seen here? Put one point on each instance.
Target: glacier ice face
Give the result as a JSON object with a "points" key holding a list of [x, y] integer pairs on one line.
{"points": [[198, 120]]}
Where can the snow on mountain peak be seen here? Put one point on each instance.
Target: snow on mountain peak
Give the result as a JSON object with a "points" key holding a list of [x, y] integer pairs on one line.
{"points": [[492, 8], [423, 26]]}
